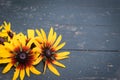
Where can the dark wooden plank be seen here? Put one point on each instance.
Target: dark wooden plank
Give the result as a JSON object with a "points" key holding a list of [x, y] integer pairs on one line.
{"points": [[98, 12], [81, 3], [90, 37], [82, 66]]}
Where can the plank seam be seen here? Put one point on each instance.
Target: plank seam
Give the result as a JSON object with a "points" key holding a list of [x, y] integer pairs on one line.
{"points": [[92, 50]]}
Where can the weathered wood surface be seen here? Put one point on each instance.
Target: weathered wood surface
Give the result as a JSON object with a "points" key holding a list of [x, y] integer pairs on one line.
{"points": [[91, 29]]}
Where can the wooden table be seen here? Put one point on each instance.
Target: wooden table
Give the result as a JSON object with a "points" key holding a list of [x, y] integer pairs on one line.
{"points": [[91, 29]]}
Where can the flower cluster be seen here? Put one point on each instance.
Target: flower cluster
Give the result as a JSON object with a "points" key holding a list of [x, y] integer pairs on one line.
{"points": [[23, 52]]}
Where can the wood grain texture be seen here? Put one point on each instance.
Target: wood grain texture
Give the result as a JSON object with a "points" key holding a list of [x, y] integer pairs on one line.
{"points": [[91, 29]]}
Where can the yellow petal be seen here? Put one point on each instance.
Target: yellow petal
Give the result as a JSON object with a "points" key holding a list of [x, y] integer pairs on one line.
{"points": [[44, 68], [22, 39], [29, 44], [60, 46], [15, 43], [63, 53], [57, 41], [53, 69], [19, 39], [54, 38], [3, 34], [58, 63], [61, 57], [35, 71], [7, 60], [36, 49], [19, 35], [7, 26], [22, 74], [9, 46], [30, 33], [50, 35], [4, 31], [39, 34], [36, 55], [5, 54], [43, 35], [37, 43], [16, 74], [7, 68], [37, 60], [28, 71]]}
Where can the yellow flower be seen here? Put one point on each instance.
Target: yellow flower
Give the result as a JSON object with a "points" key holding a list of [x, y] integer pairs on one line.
{"points": [[6, 33], [48, 49], [19, 54]]}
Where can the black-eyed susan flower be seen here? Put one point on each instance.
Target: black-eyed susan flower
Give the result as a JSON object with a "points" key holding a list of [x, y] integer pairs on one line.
{"points": [[6, 34], [6, 31], [2, 39], [18, 53], [48, 48]]}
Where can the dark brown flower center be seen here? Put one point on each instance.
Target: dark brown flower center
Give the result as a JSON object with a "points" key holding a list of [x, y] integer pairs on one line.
{"points": [[47, 53], [2, 40], [21, 57], [10, 34]]}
